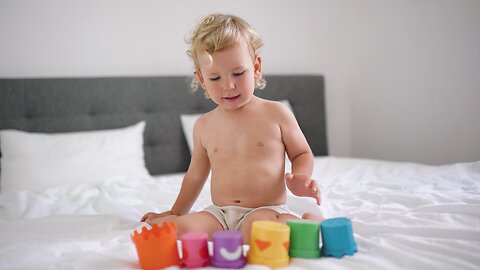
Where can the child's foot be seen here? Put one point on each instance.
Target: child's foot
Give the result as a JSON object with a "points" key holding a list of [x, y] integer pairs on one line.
{"points": [[312, 216]]}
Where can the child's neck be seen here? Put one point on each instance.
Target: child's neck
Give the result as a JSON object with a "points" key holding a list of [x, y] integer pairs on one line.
{"points": [[243, 109]]}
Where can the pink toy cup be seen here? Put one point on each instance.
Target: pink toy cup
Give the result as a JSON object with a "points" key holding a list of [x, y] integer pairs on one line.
{"points": [[195, 249]]}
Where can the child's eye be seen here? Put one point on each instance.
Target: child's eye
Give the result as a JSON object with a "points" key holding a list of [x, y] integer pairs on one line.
{"points": [[215, 79], [239, 73]]}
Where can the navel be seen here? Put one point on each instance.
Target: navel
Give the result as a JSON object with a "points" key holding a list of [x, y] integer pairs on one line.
{"points": [[215, 150], [236, 201], [260, 144]]}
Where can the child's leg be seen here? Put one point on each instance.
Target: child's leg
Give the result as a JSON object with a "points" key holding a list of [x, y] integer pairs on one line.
{"points": [[261, 214], [193, 222], [268, 214], [312, 216]]}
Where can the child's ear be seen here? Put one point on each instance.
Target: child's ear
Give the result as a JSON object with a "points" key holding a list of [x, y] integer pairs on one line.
{"points": [[257, 67], [200, 79]]}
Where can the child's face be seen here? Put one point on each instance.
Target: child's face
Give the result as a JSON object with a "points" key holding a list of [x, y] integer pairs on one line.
{"points": [[230, 78]]}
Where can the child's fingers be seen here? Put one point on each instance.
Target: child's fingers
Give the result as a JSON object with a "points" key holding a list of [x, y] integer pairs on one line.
{"points": [[315, 191], [146, 216], [289, 177], [318, 199], [313, 186]]}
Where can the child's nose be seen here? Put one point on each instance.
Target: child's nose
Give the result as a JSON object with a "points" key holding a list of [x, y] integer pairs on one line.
{"points": [[229, 85]]}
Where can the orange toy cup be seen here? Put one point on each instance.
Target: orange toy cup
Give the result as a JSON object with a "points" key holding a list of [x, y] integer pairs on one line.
{"points": [[269, 244], [157, 248]]}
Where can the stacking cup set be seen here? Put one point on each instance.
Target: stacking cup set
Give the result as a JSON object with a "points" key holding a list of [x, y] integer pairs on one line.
{"points": [[271, 244]]}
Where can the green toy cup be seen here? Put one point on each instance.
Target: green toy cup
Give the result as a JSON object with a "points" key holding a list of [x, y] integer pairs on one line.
{"points": [[304, 239]]}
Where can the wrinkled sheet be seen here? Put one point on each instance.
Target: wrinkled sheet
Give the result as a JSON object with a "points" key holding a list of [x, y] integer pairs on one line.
{"points": [[404, 216]]}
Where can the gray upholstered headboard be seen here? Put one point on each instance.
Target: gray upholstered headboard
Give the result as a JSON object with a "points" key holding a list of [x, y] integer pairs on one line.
{"points": [[80, 104]]}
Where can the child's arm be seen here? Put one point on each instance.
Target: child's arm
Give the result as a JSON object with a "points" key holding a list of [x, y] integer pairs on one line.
{"points": [[299, 181], [192, 185], [196, 175], [192, 182]]}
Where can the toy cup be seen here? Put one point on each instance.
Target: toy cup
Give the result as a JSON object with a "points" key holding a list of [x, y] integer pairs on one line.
{"points": [[269, 243], [304, 238], [337, 236], [228, 249], [157, 248], [195, 249]]}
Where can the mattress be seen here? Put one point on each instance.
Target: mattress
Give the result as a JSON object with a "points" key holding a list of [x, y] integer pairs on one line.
{"points": [[404, 216]]}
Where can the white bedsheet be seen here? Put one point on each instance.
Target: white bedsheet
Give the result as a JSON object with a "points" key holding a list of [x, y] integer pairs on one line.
{"points": [[405, 216]]}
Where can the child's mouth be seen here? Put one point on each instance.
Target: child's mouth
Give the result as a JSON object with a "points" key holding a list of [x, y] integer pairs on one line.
{"points": [[231, 99]]}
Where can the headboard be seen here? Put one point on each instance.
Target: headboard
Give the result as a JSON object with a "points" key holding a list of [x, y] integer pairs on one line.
{"points": [[81, 104]]}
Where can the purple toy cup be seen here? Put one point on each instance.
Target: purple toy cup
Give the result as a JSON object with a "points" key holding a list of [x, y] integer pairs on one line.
{"points": [[228, 249]]}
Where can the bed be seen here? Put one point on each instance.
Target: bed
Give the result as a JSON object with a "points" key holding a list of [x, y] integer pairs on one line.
{"points": [[127, 139]]}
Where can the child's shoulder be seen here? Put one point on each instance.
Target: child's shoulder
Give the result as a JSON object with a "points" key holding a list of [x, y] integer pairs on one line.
{"points": [[278, 111], [204, 117], [276, 106]]}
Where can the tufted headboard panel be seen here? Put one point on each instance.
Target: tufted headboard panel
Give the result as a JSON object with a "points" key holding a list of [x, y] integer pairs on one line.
{"points": [[81, 104]]}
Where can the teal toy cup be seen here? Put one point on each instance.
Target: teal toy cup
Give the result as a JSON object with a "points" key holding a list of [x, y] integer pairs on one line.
{"points": [[337, 237], [304, 239]]}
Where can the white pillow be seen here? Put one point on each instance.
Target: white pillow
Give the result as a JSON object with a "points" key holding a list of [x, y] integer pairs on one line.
{"points": [[188, 120], [36, 161], [287, 103]]}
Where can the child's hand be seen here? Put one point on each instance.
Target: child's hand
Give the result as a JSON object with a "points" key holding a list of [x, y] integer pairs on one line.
{"points": [[302, 185], [151, 215]]}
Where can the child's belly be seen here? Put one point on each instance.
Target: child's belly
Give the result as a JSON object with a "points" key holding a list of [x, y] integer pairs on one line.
{"points": [[250, 183]]}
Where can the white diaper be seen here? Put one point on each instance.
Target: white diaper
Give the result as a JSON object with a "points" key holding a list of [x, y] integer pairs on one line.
{"points": [[231, 217]]}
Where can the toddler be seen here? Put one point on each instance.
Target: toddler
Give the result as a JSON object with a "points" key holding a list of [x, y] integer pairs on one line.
{"points": [[242, 141]]}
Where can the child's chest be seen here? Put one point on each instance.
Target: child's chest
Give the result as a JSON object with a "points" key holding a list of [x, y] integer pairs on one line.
{"points": [[255, 136]]}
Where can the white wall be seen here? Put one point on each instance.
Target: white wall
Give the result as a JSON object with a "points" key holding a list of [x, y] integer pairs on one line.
{"points": [[401, 76], [415, 80]]}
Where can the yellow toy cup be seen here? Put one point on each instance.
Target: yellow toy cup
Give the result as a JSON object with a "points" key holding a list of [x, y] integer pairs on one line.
{"points": [[269, 244]]}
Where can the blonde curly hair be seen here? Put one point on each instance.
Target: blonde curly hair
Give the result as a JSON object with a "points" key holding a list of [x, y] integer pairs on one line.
{"points": [[216, 32]]}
